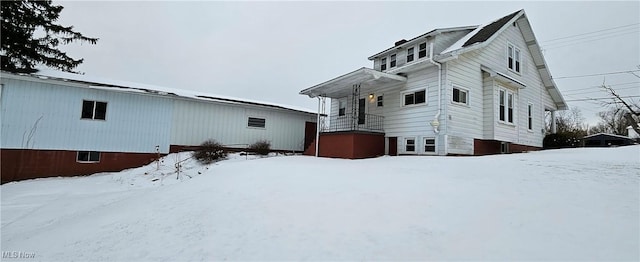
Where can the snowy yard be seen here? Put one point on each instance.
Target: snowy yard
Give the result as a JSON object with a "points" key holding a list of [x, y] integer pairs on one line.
{"points": [[572, 204]]}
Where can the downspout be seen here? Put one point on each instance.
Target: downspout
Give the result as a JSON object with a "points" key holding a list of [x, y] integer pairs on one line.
{"points": [[318, 127], [435, 123]]}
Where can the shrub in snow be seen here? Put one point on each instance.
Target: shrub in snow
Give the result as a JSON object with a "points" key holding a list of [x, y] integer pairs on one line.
{"points": [[262, 147], [209, 151]]}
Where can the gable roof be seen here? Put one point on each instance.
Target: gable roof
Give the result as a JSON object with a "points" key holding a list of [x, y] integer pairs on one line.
{"points": [[487, 31], [484, 35], [130, 87]]}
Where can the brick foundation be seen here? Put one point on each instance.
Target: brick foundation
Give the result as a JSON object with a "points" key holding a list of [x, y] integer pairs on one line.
{"points": [[21, 164]]}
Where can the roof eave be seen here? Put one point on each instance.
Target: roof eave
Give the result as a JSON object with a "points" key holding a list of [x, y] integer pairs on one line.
{"points": [[425, 35]]}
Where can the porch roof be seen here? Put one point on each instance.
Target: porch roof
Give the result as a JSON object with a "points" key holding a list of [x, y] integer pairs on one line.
{"points": [[341, 86]]}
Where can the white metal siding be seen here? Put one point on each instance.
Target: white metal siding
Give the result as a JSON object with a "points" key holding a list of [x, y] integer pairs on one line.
{"points": [[134, 122], [466, 71], [197, 121]]}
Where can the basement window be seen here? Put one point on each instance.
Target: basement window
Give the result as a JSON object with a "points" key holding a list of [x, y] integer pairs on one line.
{"points": [[257, 122], [414, 98], [409, 145], [94, 110], [88, 157], [429, 145]]}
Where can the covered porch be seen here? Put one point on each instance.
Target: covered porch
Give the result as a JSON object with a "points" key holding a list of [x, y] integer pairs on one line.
{"points": [[352, 131]]}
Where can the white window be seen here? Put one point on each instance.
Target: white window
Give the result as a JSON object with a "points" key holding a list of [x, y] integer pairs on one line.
{"points": [[88, 157], [410, 54], [94, 110], [410, 145], [460, 95], [257, 122], [530, 116], [429, 145], [383, 64], [342, 108], [514, 59], [414, 97], [392, 61], [380, 101], [422, 50], [506, 106]]}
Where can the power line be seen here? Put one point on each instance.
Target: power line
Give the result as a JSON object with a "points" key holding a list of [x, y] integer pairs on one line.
{"points": [[578, 92], [584, 40], [600, 74], [599, 86], [598, 98], [607, 29]]}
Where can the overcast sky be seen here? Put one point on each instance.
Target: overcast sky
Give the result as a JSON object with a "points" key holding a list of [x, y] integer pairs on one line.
{"points": [[269, 51]]}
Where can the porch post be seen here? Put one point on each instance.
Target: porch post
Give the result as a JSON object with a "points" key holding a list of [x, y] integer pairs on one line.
{"points": [[318, 128], [553, 122]]}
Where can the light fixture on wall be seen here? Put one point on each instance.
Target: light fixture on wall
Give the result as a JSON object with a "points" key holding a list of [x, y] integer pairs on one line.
{"points": [[371, 96]]}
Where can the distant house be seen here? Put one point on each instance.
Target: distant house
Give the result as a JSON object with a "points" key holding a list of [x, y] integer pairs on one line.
{"points": [[606, 140], [631, 133], [63, 124], [470, 90]]}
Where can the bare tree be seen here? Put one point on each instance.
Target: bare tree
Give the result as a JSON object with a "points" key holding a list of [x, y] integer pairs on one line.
{"points": [[625, 109]]}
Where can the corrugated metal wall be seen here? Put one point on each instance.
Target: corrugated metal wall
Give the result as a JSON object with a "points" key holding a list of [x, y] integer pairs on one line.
{"points": [[40, 115], [196, 121]]}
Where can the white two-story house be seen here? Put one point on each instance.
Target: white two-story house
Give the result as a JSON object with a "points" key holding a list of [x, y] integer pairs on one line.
{"points": [[471, 90]]}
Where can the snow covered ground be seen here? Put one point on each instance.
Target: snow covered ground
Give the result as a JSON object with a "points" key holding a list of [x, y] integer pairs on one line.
{"points": [[571, 204]]}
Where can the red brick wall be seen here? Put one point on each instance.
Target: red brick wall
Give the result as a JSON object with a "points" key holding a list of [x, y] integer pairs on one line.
{"points": [[350, 145], [490, 147], [20, 164]]}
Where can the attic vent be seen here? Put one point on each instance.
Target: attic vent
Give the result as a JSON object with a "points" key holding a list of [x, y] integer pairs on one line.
{"points": [[399, 42]]}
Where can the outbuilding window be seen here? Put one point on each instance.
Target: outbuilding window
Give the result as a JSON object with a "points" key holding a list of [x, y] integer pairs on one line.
{"points": [[88, 156], [94, 110], [257, 122]]}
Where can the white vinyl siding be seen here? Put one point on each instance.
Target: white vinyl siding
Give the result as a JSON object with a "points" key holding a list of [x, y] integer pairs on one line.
{"points": [[137, 122], [482, 121], [227, 123]]}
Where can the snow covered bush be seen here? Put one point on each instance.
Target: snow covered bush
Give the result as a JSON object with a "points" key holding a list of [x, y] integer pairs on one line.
{"points": [[262, 147], [209, 151]]}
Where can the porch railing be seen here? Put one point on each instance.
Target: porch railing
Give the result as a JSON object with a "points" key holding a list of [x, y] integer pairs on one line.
{"points": [[355, 122]]}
